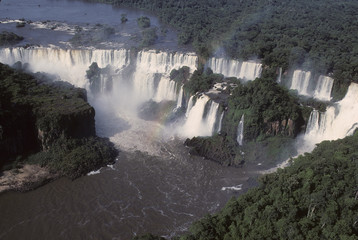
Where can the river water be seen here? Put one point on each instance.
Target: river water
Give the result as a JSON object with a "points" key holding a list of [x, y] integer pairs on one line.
{"points": [[154, 186]]}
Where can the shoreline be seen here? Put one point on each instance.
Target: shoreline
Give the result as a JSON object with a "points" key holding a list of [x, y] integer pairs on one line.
{"points": [[26, 178]]}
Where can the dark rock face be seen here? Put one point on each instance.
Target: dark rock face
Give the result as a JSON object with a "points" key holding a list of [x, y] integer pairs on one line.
{"points": [[18, 133]]}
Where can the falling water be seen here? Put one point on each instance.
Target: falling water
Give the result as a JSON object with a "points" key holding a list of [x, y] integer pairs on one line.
{"points": [[233, 68], [279, 78], [71, 65], [190, 105], [220, 121], [338, 121], [180, 98], [301, 81], [323, 88], [240, 131], [198, 123]]}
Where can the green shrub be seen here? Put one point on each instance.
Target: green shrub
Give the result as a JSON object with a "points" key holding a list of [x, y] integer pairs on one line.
{"points": [[143, 22]]}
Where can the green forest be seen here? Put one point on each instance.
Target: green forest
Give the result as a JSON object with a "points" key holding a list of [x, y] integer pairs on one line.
{"points": [[316, 35], [314, 198]]}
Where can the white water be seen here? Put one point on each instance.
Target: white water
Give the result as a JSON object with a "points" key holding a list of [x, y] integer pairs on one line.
{"points": [[240, 131], [196, 123], [180, 98], [220, 121], [167, 90], [190, 105], [300, 82], [337, 122], [69, 64], [279, 78], [233, 68], [233, 188], [304, 83], [323, 88], [150, 63]]}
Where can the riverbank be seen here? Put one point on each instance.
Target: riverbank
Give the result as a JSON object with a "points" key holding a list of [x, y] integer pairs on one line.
{"points": [[25, 178]]}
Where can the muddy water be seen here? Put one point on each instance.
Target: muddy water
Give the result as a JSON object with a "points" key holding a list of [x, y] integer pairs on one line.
{"points": [[139, 194]]}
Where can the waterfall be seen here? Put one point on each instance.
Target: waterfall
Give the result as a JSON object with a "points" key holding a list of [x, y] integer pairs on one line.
{"points": [[250, 70], [338, 121], [211, 117], [197, 122], [180, 98], [150, 73], [69, 64], [164, 62], [279, 78], [323, 88], [240, 131], [190, 105], [167, 90], [151, 63], [313, 122], [233, 68], [220, 122], [301, 81]]}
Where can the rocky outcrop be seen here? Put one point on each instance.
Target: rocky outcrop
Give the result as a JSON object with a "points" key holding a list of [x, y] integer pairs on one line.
{"points": [[284, 128], [49, 123], [218, 148], [76, 124]]}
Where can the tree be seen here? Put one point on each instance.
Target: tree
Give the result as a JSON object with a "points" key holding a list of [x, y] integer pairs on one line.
{"points": [[143, 22]]}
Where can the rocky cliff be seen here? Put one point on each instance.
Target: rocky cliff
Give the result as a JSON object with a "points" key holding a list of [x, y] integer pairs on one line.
{"points": [[50, 124]]}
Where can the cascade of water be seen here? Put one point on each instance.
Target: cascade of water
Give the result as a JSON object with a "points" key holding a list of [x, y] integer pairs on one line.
{"points": [[104, 84], [166, 90], [150, 63], [149, 67], [180, 98], [70, 65], [250, 70], [193, 125], [240, 131], [190, 105], [300, 82], [313, 122], [211, 117], [323, 88], [279, 78], [220, 122], [338, 121], [196, 123], [234, 68], [227, 67]]}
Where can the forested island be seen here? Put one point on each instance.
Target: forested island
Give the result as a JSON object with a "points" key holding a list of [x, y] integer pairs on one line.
{"points": [[50, 124]]}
